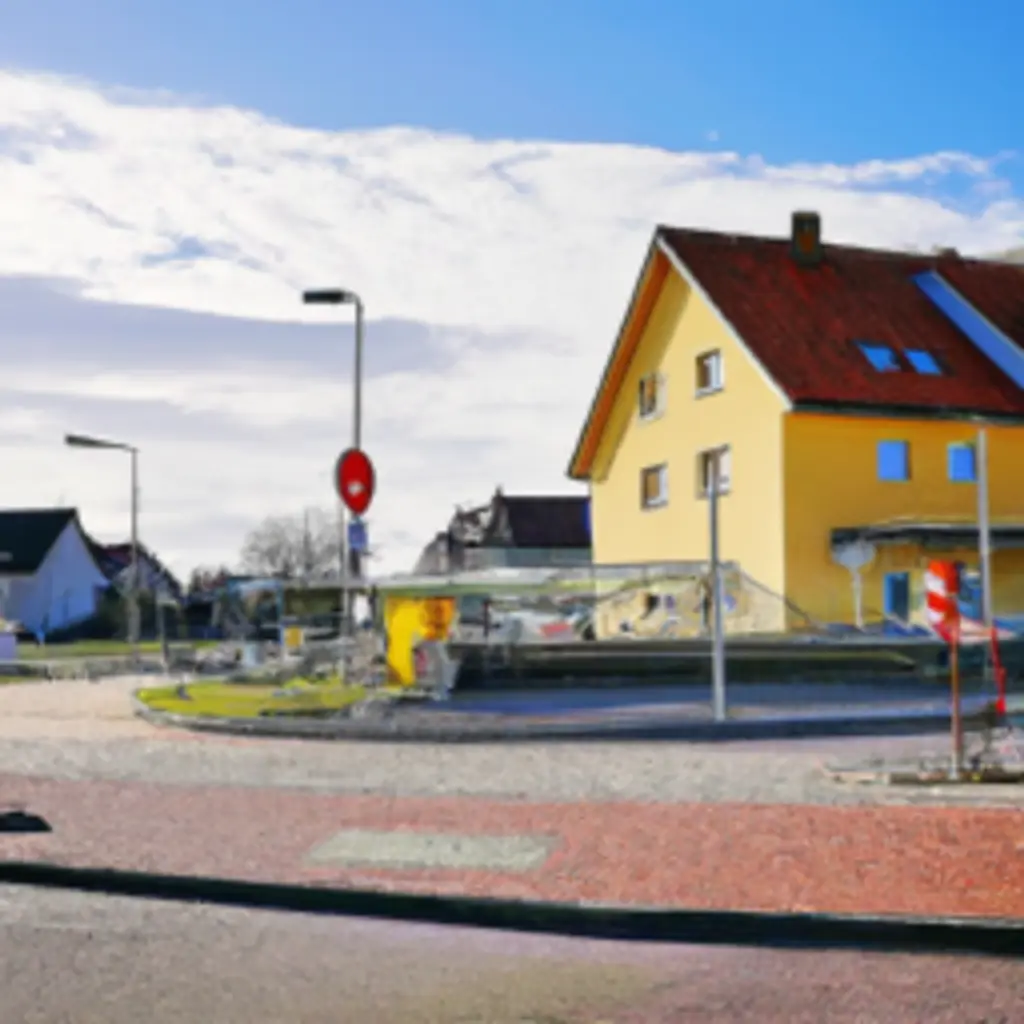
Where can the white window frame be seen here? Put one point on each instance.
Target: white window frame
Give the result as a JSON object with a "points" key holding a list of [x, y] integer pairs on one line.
{"points": [[724, 453], [714, 359], [659, 397], [661, 468]]}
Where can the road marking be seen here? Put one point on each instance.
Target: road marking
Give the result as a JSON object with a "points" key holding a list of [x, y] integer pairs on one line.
{"points": [[388, 849]]}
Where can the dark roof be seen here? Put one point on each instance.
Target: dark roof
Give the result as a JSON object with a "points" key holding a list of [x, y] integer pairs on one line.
{"points": [[547, 522], [26, 536], [802, 324], [114, 559]]}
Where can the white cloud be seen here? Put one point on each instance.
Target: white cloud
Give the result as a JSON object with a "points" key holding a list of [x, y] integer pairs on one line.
{"points": [[494, 276]]}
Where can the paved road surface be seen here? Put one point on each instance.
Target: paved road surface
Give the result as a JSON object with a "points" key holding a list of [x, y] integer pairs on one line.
{"points": [[67, 958]]}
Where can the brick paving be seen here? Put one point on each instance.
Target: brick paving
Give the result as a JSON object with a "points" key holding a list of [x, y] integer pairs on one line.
{"points": [[899, 860]]}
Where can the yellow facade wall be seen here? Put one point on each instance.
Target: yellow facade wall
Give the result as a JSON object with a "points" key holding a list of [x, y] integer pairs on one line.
{"points": [[745, 414], [831, 480]]}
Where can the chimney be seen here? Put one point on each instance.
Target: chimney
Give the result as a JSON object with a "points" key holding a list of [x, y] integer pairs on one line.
{"points": [[805, 243]]}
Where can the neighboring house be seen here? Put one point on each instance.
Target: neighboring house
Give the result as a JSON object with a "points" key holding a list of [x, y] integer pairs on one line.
{"points": [[49, 579], [513, 532], [115, 562], [839, 390]]}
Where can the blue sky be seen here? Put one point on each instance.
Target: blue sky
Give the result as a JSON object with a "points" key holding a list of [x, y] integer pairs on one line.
{"points": [[840, 80]]}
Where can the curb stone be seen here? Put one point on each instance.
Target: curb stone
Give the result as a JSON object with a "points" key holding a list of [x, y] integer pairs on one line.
{"points": [[1000, 938], [391, 725]]}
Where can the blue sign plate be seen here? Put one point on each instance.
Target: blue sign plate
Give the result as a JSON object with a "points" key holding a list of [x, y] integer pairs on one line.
{"points": [[358, 540]]}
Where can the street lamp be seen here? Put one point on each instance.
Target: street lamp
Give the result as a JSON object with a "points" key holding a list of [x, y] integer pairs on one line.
{"points": [[84, 441], [342, 297]]}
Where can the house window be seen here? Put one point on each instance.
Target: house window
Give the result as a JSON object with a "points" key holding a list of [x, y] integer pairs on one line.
{"points": [[881, 357], [706, 465], [923, 362], [710, 376], [652, 396], [896, 595], [962, 464], [893, 460], [654, 486]]}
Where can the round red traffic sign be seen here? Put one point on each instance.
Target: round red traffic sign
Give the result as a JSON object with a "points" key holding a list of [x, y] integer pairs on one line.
{"points": [[355, 480]]}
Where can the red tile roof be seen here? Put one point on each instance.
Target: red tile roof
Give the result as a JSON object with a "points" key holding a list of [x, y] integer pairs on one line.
{"points": [[803, 323]]}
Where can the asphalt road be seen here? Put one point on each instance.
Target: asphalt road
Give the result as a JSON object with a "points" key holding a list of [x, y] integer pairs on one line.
{"points": [[83, 959]]}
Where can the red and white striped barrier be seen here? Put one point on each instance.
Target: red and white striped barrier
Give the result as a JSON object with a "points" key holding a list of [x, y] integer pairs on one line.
{"points": [[941, 585], [942, 610]]}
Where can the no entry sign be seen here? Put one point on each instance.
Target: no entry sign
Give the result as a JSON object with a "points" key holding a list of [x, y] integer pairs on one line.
{"points": [[355, 480]]}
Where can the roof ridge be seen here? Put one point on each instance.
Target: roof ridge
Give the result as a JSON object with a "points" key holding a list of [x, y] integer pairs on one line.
{"points": [[39, 510], [737, 237]]}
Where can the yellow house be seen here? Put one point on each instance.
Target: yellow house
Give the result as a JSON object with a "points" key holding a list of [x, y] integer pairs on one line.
{"points": [[839, 391]]}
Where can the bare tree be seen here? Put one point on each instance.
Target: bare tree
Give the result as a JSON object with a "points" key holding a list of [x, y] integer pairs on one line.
{"points": [[289, 547]]}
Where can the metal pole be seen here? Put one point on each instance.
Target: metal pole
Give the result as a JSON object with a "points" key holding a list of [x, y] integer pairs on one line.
{"points": [[357, 421], [858, 599], [351, 558], [984, 530], [357, 403], [133, 613], [717, 633], [956, 718], [342, 569]]}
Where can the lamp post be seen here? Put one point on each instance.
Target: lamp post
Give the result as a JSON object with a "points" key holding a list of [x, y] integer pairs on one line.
{"points": [[84, 441], [342, 297]]}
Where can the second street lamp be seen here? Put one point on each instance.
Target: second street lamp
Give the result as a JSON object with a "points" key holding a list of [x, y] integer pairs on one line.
{"points": [[85, 441]]}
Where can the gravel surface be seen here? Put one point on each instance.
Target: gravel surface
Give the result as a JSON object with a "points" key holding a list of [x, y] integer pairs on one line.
{"points": [[88, 731], [80, 959]]}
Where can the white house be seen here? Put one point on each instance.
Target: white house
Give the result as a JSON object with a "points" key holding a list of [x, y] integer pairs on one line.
{"points": [[49, 578]]}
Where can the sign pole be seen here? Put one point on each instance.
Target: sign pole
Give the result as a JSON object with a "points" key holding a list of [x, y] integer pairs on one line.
{"points": [[985, 544], [956, 720], [355, 480], [357, 419], [342, 567], [984, 530], [718, 706]]}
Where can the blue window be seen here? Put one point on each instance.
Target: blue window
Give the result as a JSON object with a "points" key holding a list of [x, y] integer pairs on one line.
{"points": [[893, 460], [896, 595], [881, 357], [923, 362], [962, 466]]}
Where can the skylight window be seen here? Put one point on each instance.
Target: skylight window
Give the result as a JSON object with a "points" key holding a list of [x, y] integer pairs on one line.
{"points": [[881, 357], [923, 362]]}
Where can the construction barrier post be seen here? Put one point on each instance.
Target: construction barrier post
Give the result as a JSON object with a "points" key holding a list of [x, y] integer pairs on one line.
{"points": [[956, 718], [999, 671]]}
